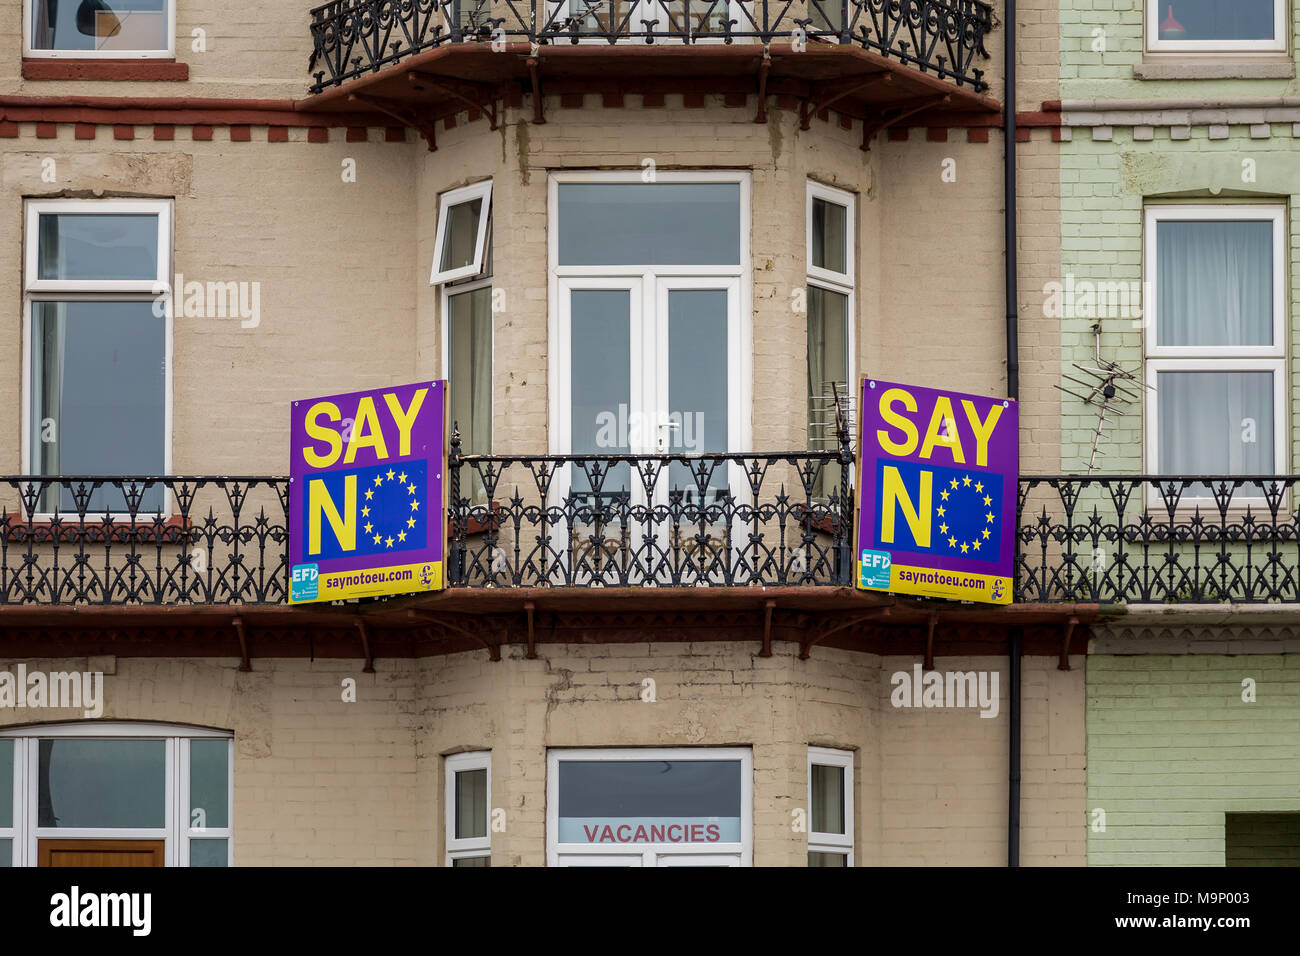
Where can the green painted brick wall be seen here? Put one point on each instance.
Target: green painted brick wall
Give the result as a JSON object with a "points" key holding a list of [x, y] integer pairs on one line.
{"points": [[1104, 189], [1172, 748], [1088, 74]]}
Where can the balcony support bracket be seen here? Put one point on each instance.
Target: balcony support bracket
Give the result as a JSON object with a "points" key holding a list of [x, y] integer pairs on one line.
{"points": [[811, 641], [494, 650], [529, 608], [1070, 625], [903, 111], [244, 664], [763, 69], [534, 70], [477, 96], [365, 648], [401, 113], [768, 608], [824, 95]]}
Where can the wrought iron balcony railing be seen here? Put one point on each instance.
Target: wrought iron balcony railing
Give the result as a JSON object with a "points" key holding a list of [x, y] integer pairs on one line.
{"points": [[942, 37], [653, 521]]}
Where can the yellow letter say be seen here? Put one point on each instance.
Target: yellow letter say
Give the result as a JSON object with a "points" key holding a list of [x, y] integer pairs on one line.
{"points": [[366, 433], [405, 419], [319, 433], [893, 491], [319, 502], [983, 429], [905, 425], [943, 431]]}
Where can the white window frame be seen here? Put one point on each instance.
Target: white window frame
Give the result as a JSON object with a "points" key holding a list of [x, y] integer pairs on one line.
{"points": [[1155, 13], [741, 356], [168, 52], [842, 283], [157, 290], [456, 197], [176, 831], [1245, 358], [839, 843], [650, 854], [447, 293], [467, 847]]}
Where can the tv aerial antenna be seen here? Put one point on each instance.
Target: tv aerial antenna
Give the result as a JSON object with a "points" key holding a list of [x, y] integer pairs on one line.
{"points": [[1107, 387]]}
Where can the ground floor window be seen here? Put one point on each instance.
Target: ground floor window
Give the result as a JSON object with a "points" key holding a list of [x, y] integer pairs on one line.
{"points": [[1261, 839], [115, 794], [647, 807], [468, 796], [830, 807]]}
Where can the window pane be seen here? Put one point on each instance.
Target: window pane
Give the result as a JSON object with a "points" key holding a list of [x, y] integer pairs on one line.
{"points": [[827, 799], [829, 236], [472, 861], [6, 783], [1215, 283], [827, 859], [105, 25], [209, 853], [471, 804], [649, 801], [460, 236], [469, 348], [98, 395], [96, 246], [649, 224], [6, 853], [1215, 423], [601, 384], [1215, 19], [209, 783], [697, 382], [828, 377], [102, 783]]}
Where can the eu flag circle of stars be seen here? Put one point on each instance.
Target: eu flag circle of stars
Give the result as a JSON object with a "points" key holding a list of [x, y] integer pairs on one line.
{"points": [[379, 537], [953, 496]]}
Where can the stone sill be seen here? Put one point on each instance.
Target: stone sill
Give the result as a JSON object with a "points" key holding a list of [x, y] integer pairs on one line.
{"points": [[139, 70], [1215, 68]]}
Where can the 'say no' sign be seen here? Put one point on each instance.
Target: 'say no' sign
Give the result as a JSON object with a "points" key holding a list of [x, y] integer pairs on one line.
{"points": [[367, 505], [938, 479]]}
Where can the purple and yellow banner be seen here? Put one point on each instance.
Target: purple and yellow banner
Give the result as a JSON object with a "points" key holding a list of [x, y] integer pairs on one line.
{"points": [[366, 493], [939, 472]]}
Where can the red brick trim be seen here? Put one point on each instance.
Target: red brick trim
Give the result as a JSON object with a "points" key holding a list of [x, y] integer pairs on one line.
{"points": [[139, 70], [977, 135], [897, 134], [123, 132], [393, 134], [693, 101], [85, 131], [277, 134], [652, 101], [356, 134], [241, 134], [318, 134], [164, 131], [46, 130], [936, 134], [202, 134]]}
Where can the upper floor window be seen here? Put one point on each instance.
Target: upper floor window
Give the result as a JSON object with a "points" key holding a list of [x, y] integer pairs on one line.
{"points": [[462, 240], [830, 320], [100, 28], [1215, 342], [115, 794], [1211, 26], [97, 324]]}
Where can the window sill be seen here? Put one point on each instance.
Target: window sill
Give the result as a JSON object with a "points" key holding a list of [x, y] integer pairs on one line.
{"points": [[97, 529], [142, 70], [1215, 67]]}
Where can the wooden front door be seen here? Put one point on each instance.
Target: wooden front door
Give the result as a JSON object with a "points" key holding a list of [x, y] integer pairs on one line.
{"points": [[100, 852]]}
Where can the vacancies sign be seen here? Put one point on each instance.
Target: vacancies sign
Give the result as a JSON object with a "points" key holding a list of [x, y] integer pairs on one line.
{"points": [[939, 471], [367, 493]]}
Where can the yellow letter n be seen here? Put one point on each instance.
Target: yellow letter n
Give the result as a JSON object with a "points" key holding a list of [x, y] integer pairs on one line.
{"points": [[893, 491], [319, 502]]}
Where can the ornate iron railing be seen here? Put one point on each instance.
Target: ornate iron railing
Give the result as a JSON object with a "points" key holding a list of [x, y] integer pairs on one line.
{"points": [[1149, 538], [943, 37], [654, 521]]}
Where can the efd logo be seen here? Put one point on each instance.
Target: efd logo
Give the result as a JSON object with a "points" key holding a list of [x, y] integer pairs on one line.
{"points": [[305, 584], [873, 569]]}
